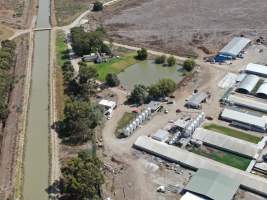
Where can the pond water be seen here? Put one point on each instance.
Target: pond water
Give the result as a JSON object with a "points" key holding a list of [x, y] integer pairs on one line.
{"points": [[147, 73]]}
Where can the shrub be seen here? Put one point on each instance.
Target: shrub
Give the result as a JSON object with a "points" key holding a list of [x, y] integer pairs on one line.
{"points": [[98, 6], [141, 54], [189, 65], [171, 61]]}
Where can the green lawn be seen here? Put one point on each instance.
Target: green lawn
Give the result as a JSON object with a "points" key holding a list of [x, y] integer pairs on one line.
{"points": [[114, 65], [61, 48], [124, 121], [233, 133], [222, 157]]}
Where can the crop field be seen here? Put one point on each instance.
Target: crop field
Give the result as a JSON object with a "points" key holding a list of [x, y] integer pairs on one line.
{"points": [[184, 27]]}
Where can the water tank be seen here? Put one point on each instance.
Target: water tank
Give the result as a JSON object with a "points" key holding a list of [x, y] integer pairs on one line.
{"points": [[143, 116], [131, 128], [126, 131], [137, 121], [146, 113], [134, 125], [149, 110], [140, 119]]}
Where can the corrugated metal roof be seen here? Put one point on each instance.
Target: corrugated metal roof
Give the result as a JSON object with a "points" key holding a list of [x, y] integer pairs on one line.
{"points": [[226, 142], [197, 99], [235, 46], [249, 83], [161, 135], [242, 117], [262, 89], [213, 185], [256, 69], [248, 103]]}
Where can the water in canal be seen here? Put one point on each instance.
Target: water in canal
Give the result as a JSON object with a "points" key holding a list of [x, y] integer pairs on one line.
{"points": [[147, 73], [36, 163]]}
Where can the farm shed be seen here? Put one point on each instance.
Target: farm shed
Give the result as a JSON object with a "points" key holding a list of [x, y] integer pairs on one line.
{"points": [[234, 47], [256, 69], [213, 185], [161, 135], [196, 100], [226, 143], [262, 91], [247, 102], [247, 85], [244, 120]]}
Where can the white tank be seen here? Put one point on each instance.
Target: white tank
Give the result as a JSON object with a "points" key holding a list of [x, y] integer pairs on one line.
{"points": [[126, 131], [134, 125], [143, 116], [146, 113], [137, 121], [131, 128], [140, 119], [188, 132], [149, 110]]}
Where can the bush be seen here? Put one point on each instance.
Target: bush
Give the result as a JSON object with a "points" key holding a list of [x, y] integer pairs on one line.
{"points": [[98, 6], [112, 80], [160, 59], [141, 54], [138, 95], [162, 88], [189, 65], [171, 61]]}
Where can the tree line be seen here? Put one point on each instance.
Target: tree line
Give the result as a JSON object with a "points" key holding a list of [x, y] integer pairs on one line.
{"points": [[7, 62], [82, 175]]}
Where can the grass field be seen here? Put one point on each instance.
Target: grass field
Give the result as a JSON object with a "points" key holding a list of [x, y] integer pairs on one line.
{"points": [[115, 65], [126, 119], [222, 157], [233, 133], [61, 48]]}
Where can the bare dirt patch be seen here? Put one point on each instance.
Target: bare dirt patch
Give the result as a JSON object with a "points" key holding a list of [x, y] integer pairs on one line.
{"points": [[10, 133], [17, 13], [183, 27]]}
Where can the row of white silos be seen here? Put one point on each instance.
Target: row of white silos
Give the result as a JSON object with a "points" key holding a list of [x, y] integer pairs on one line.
{"points": [[195, 123], [146, 114]]}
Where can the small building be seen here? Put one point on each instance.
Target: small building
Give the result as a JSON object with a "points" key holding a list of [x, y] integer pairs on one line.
{"points": [[93, 57], [196, 100], [248, 84], [212, 185], [256, 69], [247, 102], [262, 91], [108, 105], [161, 135], [234, 48], [244, 120]]}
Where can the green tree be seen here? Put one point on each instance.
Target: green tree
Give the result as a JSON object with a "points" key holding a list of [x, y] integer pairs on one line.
{"points": [[160, 59], [112, 80], [139, 94], [162, 88], [81, 118], [142, 54], [68, 71], [189, 65], [171, 61], [98, 6], [82, 178]]}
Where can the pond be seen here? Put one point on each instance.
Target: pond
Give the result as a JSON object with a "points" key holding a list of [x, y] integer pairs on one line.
{"points": [[147, 73]]}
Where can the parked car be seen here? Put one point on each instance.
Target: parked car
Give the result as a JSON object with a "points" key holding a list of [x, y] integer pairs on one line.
{"points": [[178, 110], [172, 96], [209, 117], [170, 102]]}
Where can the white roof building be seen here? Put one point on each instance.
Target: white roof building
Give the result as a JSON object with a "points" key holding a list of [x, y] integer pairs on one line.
{"points": [[226, 142], [262, 91], [260, 70], [244, 120], [248, 102], [161, 135], [247, 85], [235, 46], [107, 104], [190, 196]]}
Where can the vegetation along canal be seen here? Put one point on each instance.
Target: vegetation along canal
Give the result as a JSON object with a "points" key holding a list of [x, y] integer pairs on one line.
{"points": [[36, 163]]}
